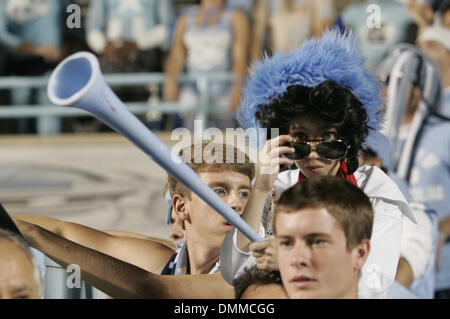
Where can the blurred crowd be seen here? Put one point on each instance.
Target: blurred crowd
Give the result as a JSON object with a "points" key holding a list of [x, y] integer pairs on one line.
{"points": [[178, 36]]}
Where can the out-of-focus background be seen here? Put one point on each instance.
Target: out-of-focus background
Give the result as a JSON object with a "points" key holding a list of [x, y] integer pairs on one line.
{"points": [[98, 180]]}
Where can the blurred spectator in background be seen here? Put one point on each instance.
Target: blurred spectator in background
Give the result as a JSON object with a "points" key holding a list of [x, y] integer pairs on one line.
{"points": [[418, 126], [379, 25], [415, 276], [435, 4], [443, 14], [429, 12], [435, 42], [209, 38], [280, 25], [31, 32], [422, 13], [246, 6], [19, 272], [129, 36]]}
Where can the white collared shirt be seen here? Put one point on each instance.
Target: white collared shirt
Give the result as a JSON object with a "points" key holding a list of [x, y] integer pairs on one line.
{"points": [[380, 268]]}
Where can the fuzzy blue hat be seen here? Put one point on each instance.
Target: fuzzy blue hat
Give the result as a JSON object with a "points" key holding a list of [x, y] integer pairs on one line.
{"points": [[332, 57]]}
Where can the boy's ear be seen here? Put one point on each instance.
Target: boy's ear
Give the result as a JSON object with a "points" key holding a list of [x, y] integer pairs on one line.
{"points": [[360, 253], [179, 206]]}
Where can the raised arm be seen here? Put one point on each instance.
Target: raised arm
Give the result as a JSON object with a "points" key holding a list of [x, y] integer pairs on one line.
{"points": [[125, 234], [240, 51], [148, 255], [120, 279], [269, 161], [175, 62], [422, 15], [259, 29]]}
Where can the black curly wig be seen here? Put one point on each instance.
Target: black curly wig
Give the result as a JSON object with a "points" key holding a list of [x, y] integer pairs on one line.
{"points": [[329, 101]]}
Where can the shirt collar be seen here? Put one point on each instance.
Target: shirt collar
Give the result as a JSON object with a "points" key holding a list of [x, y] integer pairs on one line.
{"points": [[182, 262]]}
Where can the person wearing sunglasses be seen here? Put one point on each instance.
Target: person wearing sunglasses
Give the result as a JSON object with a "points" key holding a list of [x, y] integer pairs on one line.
{"points": [[323, 103]]}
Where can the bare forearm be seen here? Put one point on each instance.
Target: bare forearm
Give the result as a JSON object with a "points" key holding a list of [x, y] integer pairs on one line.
{"points": [[444, 226], [256, 49], [112, 276], [259, 29], [241, 30], [404, 274], [177, 56], [79, 234], [120, 279], [269, 161], [252, 215], [29, 48], [239, 68], [150, 255], [125, 234], [175, 65], [422, 15], [50, 224]]}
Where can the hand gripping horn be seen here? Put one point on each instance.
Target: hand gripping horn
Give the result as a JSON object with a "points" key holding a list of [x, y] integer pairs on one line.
{"points": [[77, 81]]}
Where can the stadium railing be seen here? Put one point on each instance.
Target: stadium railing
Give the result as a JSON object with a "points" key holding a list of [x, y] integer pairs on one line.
{"points": [[44, 112]]}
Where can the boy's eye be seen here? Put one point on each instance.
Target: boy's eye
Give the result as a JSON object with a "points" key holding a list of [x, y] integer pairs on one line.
{"points": [[219, 191], [284, 243], [317, 242], [245, 194]]}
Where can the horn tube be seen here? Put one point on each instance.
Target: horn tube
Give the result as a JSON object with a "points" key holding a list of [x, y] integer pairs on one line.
{"points": [[77, 81]]}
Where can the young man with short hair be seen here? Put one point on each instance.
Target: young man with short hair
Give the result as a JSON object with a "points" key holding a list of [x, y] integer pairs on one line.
{"points": [[255, 283], [232, 182], [323, 227], [205, 231]]}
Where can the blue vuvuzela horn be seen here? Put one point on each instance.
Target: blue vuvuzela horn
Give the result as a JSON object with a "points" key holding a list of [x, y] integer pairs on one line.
{"points": [[77, 81]]}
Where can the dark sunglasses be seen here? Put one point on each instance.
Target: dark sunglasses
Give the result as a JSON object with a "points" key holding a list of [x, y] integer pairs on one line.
{"points": [[331, 150]]}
